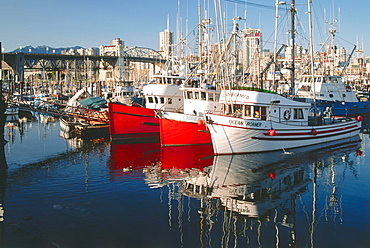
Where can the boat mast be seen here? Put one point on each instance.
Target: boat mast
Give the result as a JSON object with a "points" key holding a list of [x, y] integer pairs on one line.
{"points": [[277, 3], [275, 40], [200, 26], [312, 55], [292, 14]]}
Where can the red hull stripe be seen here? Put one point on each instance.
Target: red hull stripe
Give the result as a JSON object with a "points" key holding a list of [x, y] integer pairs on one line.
{"points": [[150, 124], [273, 138], [309, 133], [194, 144], [125, 113], [136, 135]]}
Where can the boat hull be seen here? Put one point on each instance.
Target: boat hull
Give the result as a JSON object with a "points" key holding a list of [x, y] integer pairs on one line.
{"points": [[131, 122], [347, 108], [182, 130], [231, 135], [67, 126], [92, 131]]}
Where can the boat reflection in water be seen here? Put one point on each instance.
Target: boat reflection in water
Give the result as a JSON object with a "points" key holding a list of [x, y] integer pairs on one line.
{"points": [[256, 199], [126, 156], [177, 163], [249, 188]]}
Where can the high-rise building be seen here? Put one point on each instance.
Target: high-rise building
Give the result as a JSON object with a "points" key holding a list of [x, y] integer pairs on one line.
{"points": [[166, 43], [251, 51]]}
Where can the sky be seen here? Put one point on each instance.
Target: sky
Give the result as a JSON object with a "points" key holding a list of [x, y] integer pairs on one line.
{"points": [[91, 23]]}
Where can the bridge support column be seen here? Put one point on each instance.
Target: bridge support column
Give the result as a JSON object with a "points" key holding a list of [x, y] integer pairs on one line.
{"points": [[19, 67]]}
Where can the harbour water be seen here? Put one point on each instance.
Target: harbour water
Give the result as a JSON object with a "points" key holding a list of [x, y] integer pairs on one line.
{"points": [[58, 192]]}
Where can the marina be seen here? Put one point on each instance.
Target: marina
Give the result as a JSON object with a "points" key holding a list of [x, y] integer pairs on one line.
{"points": [[219, 138], [58, 192]]}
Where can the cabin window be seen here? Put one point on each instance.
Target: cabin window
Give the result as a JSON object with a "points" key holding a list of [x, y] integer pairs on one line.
{"points": [[248, 111], [196, 95], [169, 100], [217, 97], [344, 95], [298, 114], [238, 110], [259, 112], [202, 95], [263, 113], [190, 95], [187, 95], [150, 99], [331, 95], [156, 99], [304, 88], [162, 100], [210, 96]]}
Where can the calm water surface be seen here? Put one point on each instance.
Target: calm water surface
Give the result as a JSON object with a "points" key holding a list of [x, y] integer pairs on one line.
{"points": [[58, 192]]}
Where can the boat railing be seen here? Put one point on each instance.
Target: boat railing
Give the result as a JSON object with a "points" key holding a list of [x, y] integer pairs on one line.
{"points": [[249, 88], [297, 122]]}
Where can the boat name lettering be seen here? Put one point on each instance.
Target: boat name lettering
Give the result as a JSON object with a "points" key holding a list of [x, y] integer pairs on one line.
{"points": [[243, 123], [192, 118], [237, 94]]}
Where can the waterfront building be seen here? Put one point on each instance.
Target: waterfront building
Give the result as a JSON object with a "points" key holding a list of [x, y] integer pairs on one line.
{"points": [[166, 43], [251, 52], [118, 72]]}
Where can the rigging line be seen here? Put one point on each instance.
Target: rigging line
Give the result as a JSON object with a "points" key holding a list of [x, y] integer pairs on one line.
{"points": [[252, 4]]}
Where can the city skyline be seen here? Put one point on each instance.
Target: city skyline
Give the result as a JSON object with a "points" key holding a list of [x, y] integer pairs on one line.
{"points": [[138, 23]]}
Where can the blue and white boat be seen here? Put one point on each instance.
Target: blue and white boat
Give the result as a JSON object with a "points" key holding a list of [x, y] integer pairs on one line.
{"points": [[331, 94]]}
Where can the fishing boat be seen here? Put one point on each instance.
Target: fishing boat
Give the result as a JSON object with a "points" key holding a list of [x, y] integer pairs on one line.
{"points": [[261, 121], [324, 85], [329, 92], [134, 121], [67, 124], [188, 128], [11, 110], [124, 92], [86, 118], [92, 129]]}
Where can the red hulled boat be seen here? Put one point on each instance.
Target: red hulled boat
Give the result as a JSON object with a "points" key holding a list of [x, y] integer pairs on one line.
{"points": [[180, 130], [136, 122], [129, 122]]}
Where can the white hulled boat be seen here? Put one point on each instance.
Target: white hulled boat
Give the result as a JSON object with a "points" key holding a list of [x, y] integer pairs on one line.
{"points": [[260, 121]]}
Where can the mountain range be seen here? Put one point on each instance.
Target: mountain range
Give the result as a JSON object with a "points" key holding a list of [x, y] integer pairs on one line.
{"points": [[43, 49]]}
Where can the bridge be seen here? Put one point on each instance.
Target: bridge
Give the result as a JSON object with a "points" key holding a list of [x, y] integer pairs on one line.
{"points": [[20, 62]]}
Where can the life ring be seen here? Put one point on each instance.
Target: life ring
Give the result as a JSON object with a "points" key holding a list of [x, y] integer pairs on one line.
{"points": [[287, 114]]}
